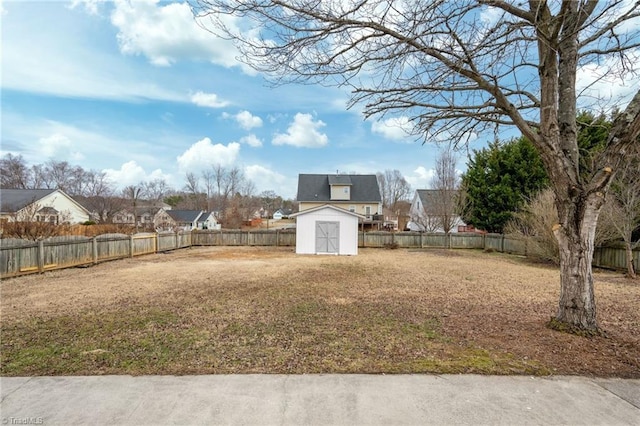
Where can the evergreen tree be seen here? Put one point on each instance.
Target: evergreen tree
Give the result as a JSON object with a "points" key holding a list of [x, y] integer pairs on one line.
{"points": [[498, 181]]}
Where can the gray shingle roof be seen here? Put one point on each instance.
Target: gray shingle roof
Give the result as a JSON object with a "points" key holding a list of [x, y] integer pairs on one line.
{"points": [[432, 196], [339, 180], [12, 200], [205, 216], [364, 188], [184, 215]]}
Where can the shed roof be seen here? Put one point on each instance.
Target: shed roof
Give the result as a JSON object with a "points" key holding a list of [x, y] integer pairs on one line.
{"points": [[328, 206]]}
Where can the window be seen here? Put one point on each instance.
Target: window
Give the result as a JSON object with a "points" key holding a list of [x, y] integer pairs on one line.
{"points": [[352, 209]]}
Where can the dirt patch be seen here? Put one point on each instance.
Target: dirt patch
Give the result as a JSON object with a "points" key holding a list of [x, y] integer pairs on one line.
{"points": [[252, 309]]}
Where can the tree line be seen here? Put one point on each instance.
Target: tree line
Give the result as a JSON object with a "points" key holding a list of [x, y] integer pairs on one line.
{"points": [[224, 190]]}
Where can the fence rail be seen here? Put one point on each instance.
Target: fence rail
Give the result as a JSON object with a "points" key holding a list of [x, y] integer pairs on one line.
{"points": [[18, 257]]}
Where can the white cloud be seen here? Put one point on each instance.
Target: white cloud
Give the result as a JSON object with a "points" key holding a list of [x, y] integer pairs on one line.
{"points": [[59, 146], [251, 140], [420, 178], [204, 154], [74, 66], [265, 179], [167, 33], [395, 128], [209, 100], [601, 86], [303, 132], [248, 121], [90, 6], [131, 173], [245, 119]]}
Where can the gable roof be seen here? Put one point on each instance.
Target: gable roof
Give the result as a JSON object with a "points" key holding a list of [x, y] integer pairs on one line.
{"points": [[328, 206], [205, 216], [184, 215], [317, 188], [431, 196], [12, 200]]}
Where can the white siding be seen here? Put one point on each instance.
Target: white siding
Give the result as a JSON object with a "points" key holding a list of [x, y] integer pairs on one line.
{"points": [[306, 230], [68, 209]]}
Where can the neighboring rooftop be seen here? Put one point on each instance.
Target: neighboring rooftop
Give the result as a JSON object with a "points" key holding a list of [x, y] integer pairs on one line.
{"points": [[12, 200], [315, 187]]}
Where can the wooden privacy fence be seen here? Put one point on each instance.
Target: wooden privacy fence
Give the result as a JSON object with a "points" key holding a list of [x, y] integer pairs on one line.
{"points": [[276, 237], [19, 257]]}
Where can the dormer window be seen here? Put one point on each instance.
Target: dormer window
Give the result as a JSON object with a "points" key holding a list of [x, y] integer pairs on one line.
{"points": [[340, 187]]}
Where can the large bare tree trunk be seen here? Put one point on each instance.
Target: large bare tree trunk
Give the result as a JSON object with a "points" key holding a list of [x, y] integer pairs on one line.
{"points": [[577, 308]]}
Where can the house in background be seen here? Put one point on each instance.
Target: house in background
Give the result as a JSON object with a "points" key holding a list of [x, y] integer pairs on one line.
{"points": [[144, 214], [40, 205], [435, 211], [173, 220], [282, 214], [358, 194]]}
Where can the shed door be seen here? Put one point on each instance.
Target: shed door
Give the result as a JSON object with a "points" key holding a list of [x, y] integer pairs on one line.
{"points": [[327, 234]]}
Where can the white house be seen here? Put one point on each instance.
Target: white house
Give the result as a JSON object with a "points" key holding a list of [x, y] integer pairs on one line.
{"points": [[169, 220], [327, 229], [434, 211], [40, 205], [281, 214]]}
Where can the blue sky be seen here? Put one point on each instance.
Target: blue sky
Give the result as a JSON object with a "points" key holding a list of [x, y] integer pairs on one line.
{"points": [[138, 90]]}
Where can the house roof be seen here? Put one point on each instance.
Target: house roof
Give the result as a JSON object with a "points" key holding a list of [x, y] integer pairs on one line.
{"points": [[184, 215], [339, 180], [205, 216], [317, 188], [12, 200], [430, 196]]}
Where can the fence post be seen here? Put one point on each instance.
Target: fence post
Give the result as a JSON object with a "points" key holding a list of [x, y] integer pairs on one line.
{"points": [[176, 243], [449, 240], [131, 245], [94, 249], [277, 237], [40, 256], [502, 244]]}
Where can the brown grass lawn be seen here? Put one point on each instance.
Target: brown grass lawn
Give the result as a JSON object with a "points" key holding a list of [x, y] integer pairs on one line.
{"points": [[267, 310]]}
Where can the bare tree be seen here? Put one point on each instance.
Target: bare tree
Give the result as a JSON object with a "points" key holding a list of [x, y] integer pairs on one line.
{"points": [[622, 211], [192, 187], [393, 188], [445, 185], [156, 189], [461, 68], [208, 177], [14, 172], [100, 196], [133, 193]]}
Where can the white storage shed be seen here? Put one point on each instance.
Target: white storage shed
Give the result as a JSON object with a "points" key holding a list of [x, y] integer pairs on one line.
{"points": [[327, 230]]}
